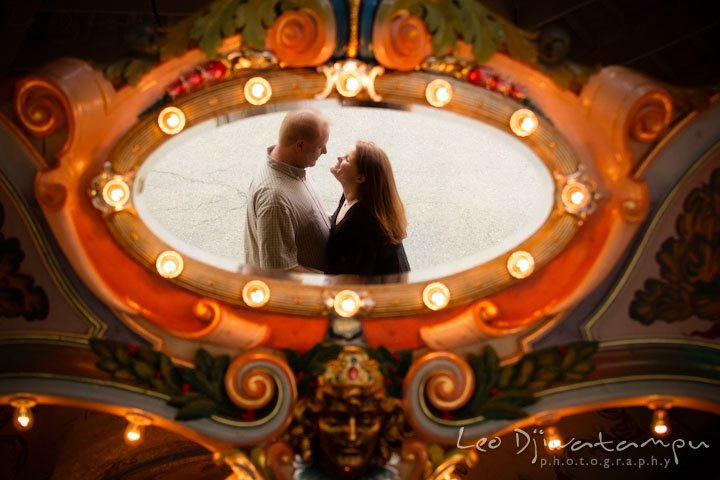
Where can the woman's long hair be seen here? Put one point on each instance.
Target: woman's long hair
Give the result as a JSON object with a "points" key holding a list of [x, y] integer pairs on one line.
{"points": [[378, 192]]}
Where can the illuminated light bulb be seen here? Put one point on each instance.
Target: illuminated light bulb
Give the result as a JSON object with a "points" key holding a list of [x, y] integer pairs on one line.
{"points": [[171, 120], [439, 92], [575, 196], [256, 293], [521, 264], [352, 83], [660, 424], [436, 296], [23, 418], [116, 193], [169, 264], [257, 91], [136, 428], [348, 83], [442, 94], [523, 122], [553, 440], [346, 303]]}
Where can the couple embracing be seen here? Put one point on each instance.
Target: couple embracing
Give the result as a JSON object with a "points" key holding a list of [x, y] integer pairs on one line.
{"points": [[287, 226]]}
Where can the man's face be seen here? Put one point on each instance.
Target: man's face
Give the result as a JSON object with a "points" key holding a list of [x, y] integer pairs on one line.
{"points": [[348, 433], [310, 150]]}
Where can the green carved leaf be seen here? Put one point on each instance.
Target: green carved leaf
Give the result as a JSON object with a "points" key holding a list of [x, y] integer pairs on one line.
{"points": [[518, 398], [169, 372], [705, 300], [198, 408], [253, 19], [123, 374], [520, 43], [499, 411], [442, 20], [525, 370], [108, 365], [204, 362], [102, 348], [505, 376], [211, 27], [148, 356], [121, 354], [175, 39], [143, 370], [220, 366]]}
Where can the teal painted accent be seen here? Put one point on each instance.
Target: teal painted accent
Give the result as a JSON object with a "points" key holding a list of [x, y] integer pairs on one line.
{"points": [[368, 8], [341, 8]]}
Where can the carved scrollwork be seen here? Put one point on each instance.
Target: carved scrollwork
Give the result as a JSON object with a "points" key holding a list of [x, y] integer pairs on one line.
{"points": [[400, 40], [252, 380], [304, 37], [40, 106], [448, 379], [652, 115]]}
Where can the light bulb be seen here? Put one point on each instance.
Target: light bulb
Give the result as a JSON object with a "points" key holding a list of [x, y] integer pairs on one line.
{"points": [[256, 293], [352, 83], [257, 91], [347, 303], [553, 440], [577, 198], [436, 296], [660, 424], [171, 120], [136, 428], [439, 92], [523, 122], [116, 192], [521, 264], [169, 264], [23, 418]]}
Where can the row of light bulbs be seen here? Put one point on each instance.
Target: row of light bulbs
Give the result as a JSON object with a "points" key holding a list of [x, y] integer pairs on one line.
{"points": [[659, 427], [137, 422], [23, 419]]}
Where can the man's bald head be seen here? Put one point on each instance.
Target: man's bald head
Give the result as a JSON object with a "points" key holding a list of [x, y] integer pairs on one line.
{"points": [[307, 125]]}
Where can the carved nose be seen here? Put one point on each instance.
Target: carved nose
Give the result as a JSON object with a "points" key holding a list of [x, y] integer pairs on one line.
{"points": [[352, 433]]}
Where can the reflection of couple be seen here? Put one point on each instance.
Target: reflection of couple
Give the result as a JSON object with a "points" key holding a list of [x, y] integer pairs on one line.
{"points": [[287, 227]]}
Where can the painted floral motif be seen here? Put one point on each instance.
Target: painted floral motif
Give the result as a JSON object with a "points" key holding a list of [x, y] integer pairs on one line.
{"points": [[689, 266], [19, 296]]}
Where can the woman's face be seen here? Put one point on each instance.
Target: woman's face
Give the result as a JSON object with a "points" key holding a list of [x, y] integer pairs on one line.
{"points": [[345, 170]]}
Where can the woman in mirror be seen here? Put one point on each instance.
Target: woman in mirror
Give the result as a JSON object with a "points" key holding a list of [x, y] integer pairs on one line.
{"points": [[369, 224]]}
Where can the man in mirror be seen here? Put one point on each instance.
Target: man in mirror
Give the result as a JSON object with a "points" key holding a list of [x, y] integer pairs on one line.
{"points": [[287, 226]]}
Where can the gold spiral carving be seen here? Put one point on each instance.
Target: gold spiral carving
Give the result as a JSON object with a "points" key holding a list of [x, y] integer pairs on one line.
{"points": [[42, 108], [302, 38], [51, 195], [448, 387], [415, 452], [207, 311], [402, 42], [651, 116], [253, 387], [279, 456]]}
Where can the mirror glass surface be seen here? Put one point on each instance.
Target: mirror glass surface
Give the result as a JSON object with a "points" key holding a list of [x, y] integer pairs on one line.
{"points": [[471, 191]]}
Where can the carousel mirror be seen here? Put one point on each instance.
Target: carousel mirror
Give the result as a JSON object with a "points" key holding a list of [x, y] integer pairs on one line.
{"points": [[471, 190]]}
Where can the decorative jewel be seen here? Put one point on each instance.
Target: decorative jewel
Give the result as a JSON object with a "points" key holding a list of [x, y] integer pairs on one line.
{"points": [[353, 368]]}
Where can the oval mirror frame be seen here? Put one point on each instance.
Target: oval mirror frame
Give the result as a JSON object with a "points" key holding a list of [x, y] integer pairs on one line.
{"points": [[313, 295]]}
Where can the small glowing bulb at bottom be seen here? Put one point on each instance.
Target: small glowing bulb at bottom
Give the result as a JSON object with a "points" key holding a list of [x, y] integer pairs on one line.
{"points": [[117, 194], [523, 265], [527, 124], [348, 304], [173, 120], [554, 444], [257, 295], [661, 429], [169, 266], [257, 90], [577, 198], [133, 436], [352, 84], [442, 94], [23, 420]]}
